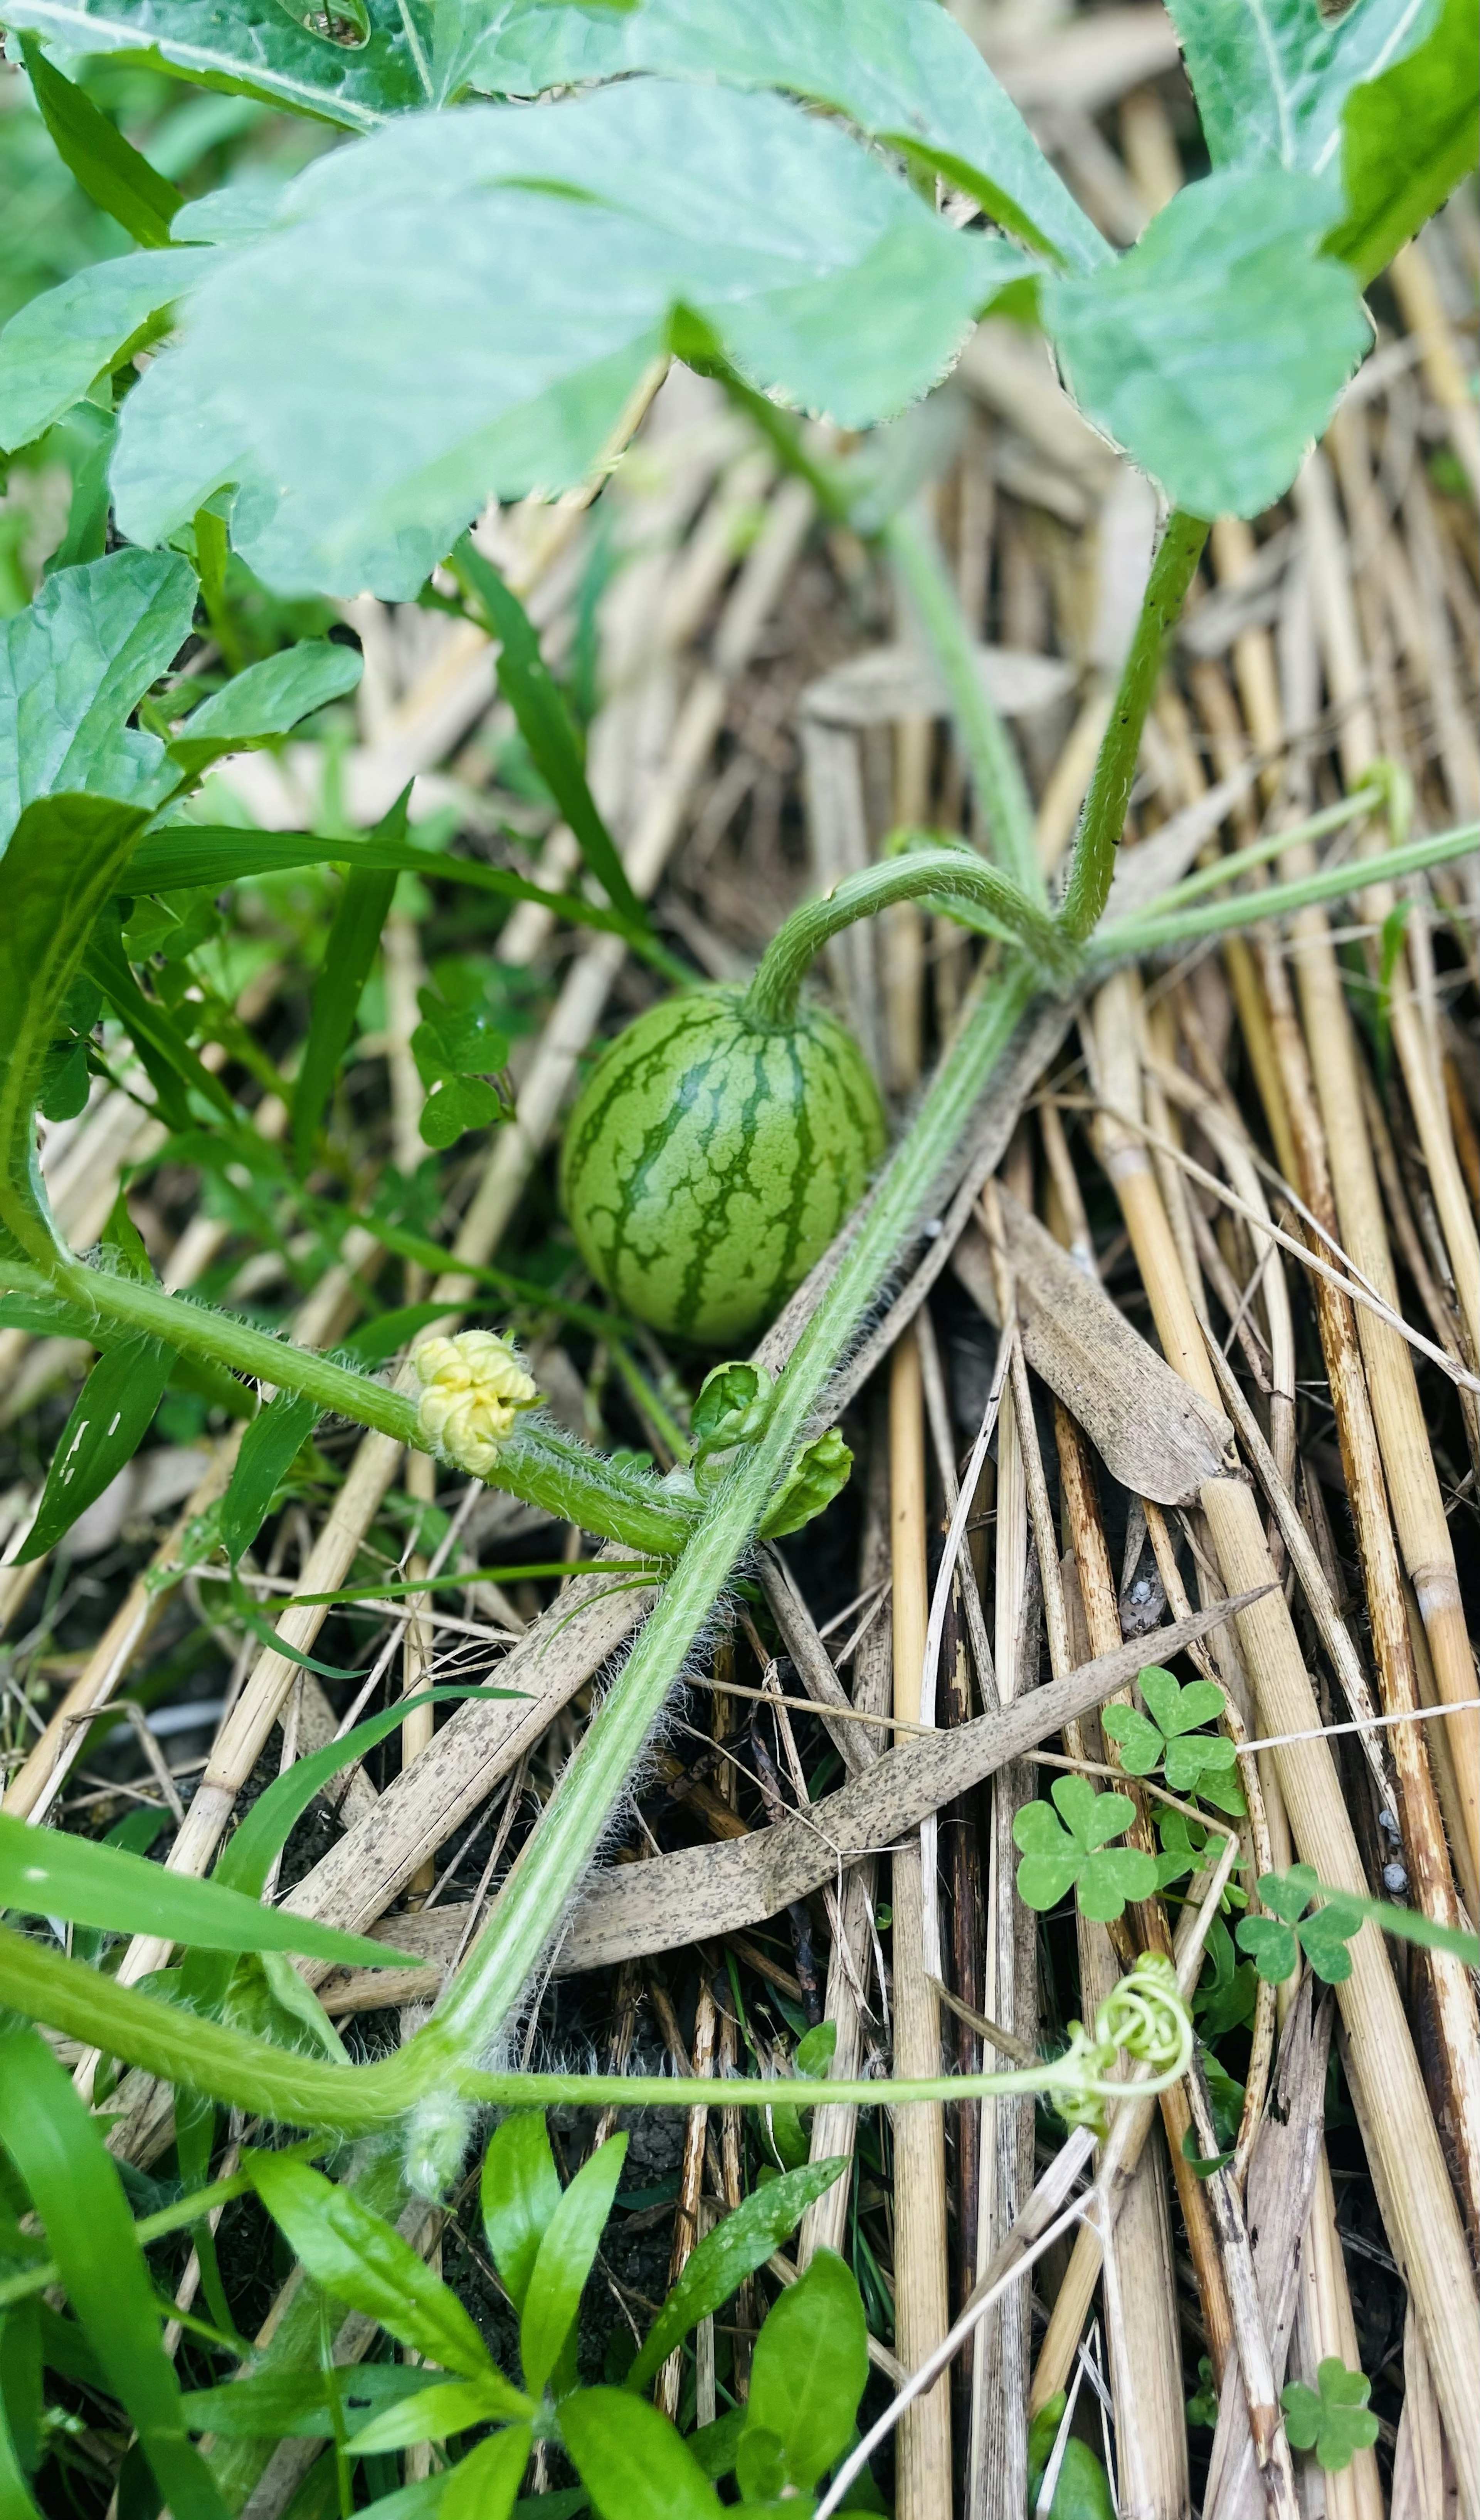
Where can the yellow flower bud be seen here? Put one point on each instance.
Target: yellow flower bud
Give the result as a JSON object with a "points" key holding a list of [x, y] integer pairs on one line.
{"points": [[474, 1387]]}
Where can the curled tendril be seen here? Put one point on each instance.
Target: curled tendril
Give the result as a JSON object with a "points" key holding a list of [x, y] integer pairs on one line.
{"points": [[1147, 2017], [1144, 2014]]}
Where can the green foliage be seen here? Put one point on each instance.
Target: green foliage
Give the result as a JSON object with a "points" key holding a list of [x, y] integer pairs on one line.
{"points": [[253, 48], [1202, 2405], [435, 316], [735, 2248], [57, 346], [109, 1418], [1215, 349], [820, 1473], [269, 1448], [519, 2192], [46, 1873], [1074, 1851], [544, 722], [355, 2256], [74, 667], [349, 948], [266, 701], [1083, 2491], [566, 2254], [57, 2147], [1192, 1762], [1332, 2418], [1292, 1928], [110, 171], [1409, 138], [458, 1049], [807, 2376]]}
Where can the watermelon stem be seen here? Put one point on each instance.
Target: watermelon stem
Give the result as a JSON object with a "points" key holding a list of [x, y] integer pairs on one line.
{"points": [[927, 871], [1092, 864]]}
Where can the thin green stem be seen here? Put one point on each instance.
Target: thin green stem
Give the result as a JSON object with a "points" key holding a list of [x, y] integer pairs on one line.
{"points": [[178, 2217], [229, 2065], [772, 995], [1239, 862], [1145, 933], [553, 1860], [1104, 818], [539, 1463], [995, 773]]}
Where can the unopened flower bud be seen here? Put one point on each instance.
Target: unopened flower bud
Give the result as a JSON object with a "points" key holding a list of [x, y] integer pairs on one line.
{"points": [[474, 1387]]}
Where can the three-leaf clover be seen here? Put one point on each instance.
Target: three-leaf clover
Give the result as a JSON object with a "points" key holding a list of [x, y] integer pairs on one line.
{"points": [[1336, 2422], [458, 1050], [1276, 1941], [1079, 1856], [1191, 1762], [1202, 2405]]}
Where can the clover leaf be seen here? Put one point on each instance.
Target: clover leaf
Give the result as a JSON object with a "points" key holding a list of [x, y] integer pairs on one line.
{"points": [[1192, 1762], [1078, 1854], [1225, 1993], [1202, 2405], [457, 1052], [1276, 1940], [1332, 2418]]}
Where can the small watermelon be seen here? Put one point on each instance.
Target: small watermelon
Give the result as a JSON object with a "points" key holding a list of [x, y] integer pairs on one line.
{"points": [[710, 1159]]}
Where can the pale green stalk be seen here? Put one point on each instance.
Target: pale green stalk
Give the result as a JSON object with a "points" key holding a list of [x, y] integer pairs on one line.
{"points": [[1149, 930], [917, 875], [539, 1463], [1092, 867], [1208, 878], [995, 773]]}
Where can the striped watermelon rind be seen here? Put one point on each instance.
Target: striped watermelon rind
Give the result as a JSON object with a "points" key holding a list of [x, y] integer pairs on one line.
{"points": [[709, 1161]]}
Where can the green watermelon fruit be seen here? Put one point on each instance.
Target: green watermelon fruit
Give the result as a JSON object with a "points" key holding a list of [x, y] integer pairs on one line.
{"points": [[710, 1159]]}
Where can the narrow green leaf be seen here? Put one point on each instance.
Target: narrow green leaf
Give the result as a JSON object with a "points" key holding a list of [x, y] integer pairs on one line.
{"points": [[270, 1446], [192, 855], [567, 2255], [544, 721], [742, 2242], [291, 2406], [74, 667], [631, 2460], [1214, 350], [519, 2191], [485, 2486], [63, 860], [173, 1067], [1409, 137], [268, 700], [46, 1873], [360, 2260], [110, 171], [351, 946], [109, 1419], [435, 2414], [810, 2365], [57, 2147]]}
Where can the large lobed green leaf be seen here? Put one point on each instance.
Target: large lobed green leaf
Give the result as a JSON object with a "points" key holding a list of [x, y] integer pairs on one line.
{"points": [[1215, 349], [62, 342], [75, 665], [901, 69], [1386, 91], [462, 305], [254, 47]]}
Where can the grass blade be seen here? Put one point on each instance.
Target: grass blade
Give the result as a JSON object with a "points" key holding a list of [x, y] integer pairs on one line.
{"points": [[59, 2150]]}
